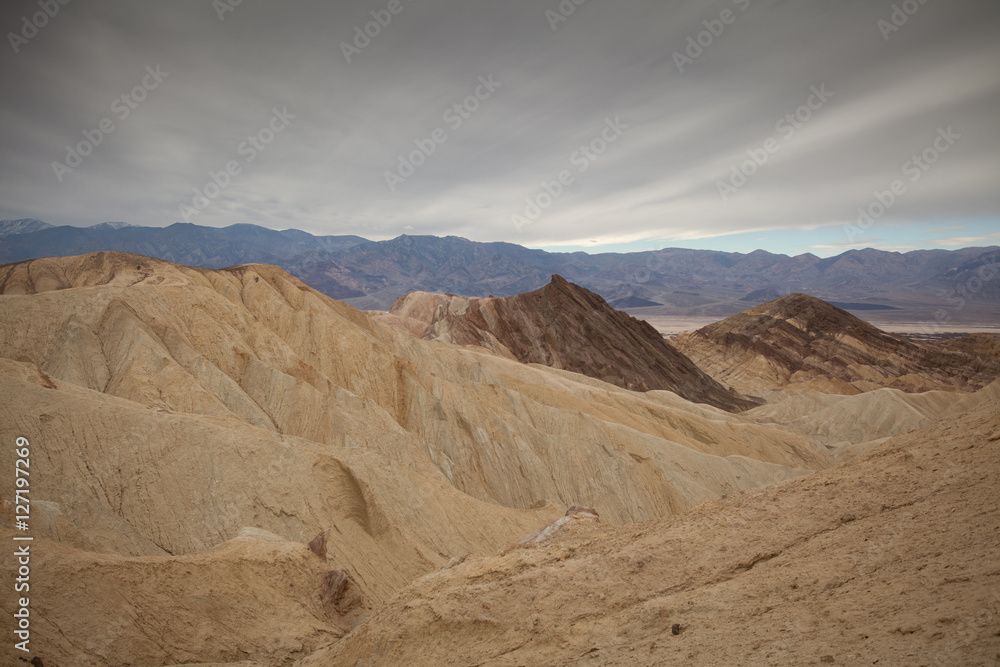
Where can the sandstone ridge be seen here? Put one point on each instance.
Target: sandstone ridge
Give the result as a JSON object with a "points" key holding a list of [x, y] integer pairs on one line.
{"points": [[564, 326], [801, 340]]}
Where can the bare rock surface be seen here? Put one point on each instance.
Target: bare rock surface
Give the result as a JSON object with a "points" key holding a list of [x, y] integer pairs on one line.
{"points": [[848, 424], [251, 599], [229, 468], [564, 326], [801, 340], [889, 559], [193, 430]]}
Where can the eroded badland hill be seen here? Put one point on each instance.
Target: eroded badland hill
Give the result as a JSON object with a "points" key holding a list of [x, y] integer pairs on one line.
{"points": [[193, 430], [799, 339], [564, 326]]}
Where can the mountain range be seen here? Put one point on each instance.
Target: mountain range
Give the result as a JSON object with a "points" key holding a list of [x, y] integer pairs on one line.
{"points": [[941, 287]]}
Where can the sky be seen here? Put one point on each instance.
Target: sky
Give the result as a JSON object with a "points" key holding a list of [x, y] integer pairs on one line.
{"points": [[806, 126]]}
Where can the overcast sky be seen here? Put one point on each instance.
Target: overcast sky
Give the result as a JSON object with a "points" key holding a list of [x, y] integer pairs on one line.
{"points": [[670, 101]]}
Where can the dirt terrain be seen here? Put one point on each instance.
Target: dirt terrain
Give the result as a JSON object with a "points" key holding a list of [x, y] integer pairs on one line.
{"points": [[228, 467], [172, 409], [888, 560]]}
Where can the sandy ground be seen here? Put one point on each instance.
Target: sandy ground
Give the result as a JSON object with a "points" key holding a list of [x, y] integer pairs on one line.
{"points": [[888, 560], [918, 328], [672, 326]]}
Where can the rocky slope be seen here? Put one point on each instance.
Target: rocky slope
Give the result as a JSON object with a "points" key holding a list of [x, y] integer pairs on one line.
{"points": [[171, 410], [22, 226], [888, 560], [563, 326], [801, 340], [846, 425]]}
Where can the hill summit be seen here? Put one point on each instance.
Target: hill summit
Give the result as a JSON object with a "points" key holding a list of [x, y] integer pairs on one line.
{"points": [[799, 338], [564, 326]]}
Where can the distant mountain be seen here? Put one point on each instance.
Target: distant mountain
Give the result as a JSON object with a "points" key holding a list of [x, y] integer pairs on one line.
{"points": [[862, 306], [379, 272], [564, 326], [110, 226], [761, 296], [634, 302], [22, 226], [976, 277], [801, 340], [686, 282], [206, 247], [964, 284]]}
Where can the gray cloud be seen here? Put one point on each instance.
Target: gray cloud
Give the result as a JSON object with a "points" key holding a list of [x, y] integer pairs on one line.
{"points": [[325, 173]]}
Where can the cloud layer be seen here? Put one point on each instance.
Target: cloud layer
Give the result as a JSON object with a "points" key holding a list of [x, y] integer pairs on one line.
{"points": [[449, 117]]}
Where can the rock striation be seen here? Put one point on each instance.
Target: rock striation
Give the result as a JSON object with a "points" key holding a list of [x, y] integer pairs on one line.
{"points": [[801, 340], [888, 559], [568, 327]]}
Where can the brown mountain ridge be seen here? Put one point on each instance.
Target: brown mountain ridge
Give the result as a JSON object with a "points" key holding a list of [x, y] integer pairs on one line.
{"points": [[800, 339], [564, 326]]}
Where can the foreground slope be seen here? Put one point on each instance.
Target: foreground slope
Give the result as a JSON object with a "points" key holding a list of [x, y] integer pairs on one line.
{"points": [[799, 339], [889, 559], [172, 410], [564, 326]]}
